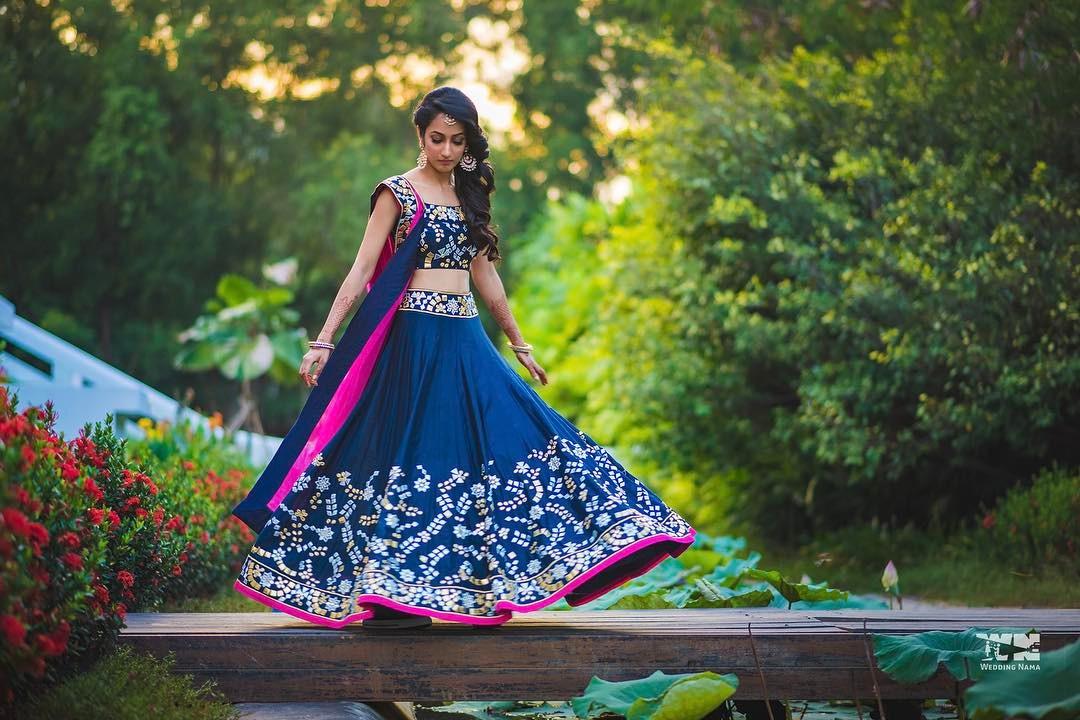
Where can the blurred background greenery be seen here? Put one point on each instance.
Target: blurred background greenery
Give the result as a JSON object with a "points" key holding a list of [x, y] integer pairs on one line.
{"points": [[807, 268]]}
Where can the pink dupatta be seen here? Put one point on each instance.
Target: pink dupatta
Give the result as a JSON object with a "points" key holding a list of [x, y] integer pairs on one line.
{"points": [[347, 371]]}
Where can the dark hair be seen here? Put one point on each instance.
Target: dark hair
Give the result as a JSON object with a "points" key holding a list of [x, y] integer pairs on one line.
{"points": [[473, 187]]}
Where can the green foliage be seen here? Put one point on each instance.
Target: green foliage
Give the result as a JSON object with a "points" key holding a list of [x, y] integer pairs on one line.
{"points": [[719, 596], [93, 528], [81, 543], [718, 572], [126, 685], [659, 696], [795, 591], [914, 658], [832, 295], [252, 329], [330, 200], [1043, 689], [1035, 525], [558, 301], [1050, 693], [227, 600], [137, 165], [204, 476]]}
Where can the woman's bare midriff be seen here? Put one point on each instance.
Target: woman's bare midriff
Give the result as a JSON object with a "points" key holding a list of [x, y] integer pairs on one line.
{"points": [[442, 279]]}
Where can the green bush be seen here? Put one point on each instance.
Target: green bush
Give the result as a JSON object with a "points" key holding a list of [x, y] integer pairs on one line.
{"points": [[850, 307], [1035, 526], [129, 686], [81, 543], [182, 457], [96, 527], [143, 551]]}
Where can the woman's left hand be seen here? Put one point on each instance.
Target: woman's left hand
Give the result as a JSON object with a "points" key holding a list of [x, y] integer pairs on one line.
{"points": [[526, 359]]}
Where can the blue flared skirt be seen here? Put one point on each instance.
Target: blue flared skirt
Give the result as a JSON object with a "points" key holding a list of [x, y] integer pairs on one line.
{"points": [[453, 490]]}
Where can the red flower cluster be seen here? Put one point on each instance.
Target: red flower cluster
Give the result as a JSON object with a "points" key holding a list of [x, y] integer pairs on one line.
{"points": [[93, 490], [12, 630], [37, 576], [73, 513], [85, 448], [23, 528], [131, 478], [55, 643], [52, 511]]}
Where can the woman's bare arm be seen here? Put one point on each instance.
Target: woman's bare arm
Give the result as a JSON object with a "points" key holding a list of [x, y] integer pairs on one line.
{"points": [[489, 286], [382, 220]]}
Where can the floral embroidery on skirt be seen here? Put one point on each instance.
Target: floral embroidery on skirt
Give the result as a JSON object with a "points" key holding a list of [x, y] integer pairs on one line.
{"points": [[453, 490]]}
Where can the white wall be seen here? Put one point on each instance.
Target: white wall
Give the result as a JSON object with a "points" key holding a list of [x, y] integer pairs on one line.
{"points": [[83, 388]]}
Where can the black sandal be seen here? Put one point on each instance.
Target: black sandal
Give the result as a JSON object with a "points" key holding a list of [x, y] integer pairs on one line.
{"points": [[387, 618]]}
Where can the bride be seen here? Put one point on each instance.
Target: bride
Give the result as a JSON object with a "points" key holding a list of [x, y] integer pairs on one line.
{"points": [[424, 477]]}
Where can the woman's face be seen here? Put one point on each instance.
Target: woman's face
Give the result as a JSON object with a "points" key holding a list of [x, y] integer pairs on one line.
{"points": [[444, 144]]}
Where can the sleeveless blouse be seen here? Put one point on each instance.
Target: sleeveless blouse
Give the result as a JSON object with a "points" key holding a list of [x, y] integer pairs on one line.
{"points": [[446, 241]]}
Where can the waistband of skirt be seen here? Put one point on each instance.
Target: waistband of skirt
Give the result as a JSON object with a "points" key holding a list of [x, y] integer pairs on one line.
{"points": [[439, 302]]}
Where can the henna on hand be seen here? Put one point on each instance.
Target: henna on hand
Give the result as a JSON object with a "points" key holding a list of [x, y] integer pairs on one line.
{"points": [[500, 310], [344, 301]]}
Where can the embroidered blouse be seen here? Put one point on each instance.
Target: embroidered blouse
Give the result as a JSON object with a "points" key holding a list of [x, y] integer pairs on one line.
{"points": [[446, 241]]}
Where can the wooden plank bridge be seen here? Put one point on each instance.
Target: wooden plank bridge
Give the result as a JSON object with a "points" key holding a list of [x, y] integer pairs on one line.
{"points": [[552, 655]]}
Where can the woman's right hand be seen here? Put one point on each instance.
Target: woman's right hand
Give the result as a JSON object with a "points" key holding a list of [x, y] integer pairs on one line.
{"points": [[314, 356]]}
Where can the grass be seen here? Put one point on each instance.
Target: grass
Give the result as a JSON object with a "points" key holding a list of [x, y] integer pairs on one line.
{"points": [[128, 686], [227, 600], [932, 567]]}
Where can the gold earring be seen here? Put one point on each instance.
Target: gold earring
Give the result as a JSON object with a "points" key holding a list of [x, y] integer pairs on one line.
{"points": [[421, 159]]}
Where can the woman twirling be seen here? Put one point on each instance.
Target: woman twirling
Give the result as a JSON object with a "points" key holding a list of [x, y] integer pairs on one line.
{"points": [[424, 476]]}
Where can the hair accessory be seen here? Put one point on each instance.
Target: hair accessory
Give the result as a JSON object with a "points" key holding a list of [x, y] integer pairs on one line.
{"points": [[421, 159], [468, 162], [450, 119]]}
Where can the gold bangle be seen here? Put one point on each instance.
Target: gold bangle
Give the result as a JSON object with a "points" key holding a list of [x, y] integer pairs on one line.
{"points": [[520, 348]]}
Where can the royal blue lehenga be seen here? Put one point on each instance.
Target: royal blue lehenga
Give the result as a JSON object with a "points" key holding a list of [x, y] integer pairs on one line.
{"points": [[448, 488]]}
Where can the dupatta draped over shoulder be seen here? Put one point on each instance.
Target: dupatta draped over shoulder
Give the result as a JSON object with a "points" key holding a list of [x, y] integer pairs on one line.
{"points": [[349, 366]]}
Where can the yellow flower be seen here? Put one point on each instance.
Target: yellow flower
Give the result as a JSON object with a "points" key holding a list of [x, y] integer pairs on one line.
{"points": [[216, 420]]}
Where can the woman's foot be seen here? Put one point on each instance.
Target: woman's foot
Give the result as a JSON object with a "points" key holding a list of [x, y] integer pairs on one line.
{"points": [[387, 618]]}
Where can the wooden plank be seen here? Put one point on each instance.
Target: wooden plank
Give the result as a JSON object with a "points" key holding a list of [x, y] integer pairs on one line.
{"points": [[230, 621], [491, 684], [226, 623], [843, 650], [552, 655]]}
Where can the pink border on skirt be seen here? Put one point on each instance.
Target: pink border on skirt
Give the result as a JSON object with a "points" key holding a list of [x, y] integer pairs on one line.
{"points": [[687, 540], [340, 405]]}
